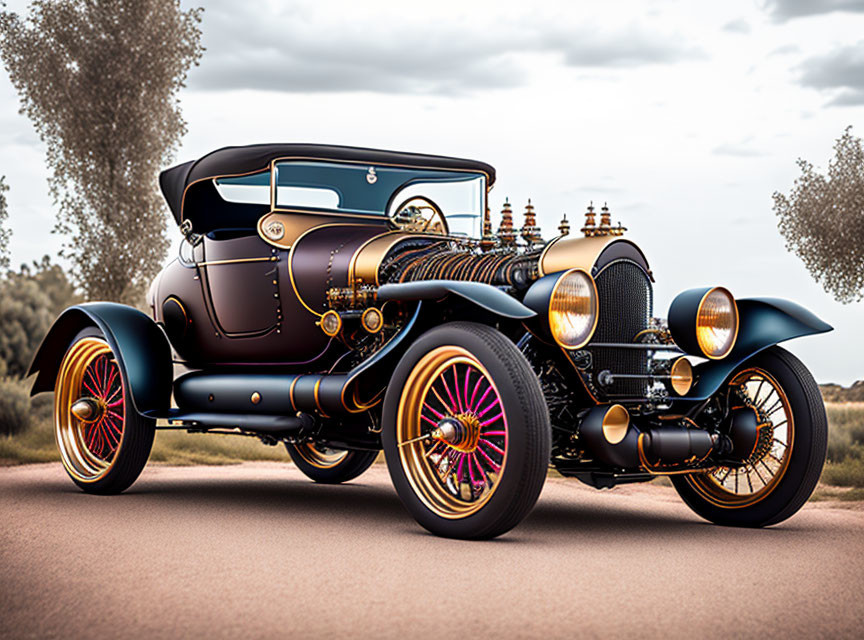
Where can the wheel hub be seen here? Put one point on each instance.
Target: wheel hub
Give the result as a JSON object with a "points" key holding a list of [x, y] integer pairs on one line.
{"points": [[88, 409], [462, 432]]}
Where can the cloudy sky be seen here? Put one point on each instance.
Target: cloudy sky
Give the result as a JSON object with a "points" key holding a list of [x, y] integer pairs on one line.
{"points": [[684, 116]]}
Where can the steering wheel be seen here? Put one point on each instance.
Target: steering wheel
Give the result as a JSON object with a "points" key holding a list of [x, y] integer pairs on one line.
{"points": [[419, 213]]}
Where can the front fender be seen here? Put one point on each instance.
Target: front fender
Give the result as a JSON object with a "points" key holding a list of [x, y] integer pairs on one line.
{"points": [[480, 294], [763, 322], [140, 346]]}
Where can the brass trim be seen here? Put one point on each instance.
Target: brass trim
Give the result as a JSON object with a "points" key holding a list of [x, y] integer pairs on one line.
{"points": [[255, 398], [565, 252], [291, 260], [296, 223], [369, 265], [211, 263], [317, 399], [380, 320], [291, 392], [179, 304], [681, 376], [596, 309], [737, 319], [330, 314]]}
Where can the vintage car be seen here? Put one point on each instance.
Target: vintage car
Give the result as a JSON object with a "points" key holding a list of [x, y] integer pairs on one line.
{"points": [[344, 300]]}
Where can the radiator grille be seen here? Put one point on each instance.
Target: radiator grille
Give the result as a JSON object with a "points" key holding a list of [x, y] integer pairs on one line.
{"points": [[625, 301]]}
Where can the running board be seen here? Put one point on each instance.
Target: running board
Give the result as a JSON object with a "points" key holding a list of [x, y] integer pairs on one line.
{"points": [[247, 422]]}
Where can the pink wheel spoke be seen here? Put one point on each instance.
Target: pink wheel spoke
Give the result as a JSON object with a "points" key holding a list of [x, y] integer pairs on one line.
{"points": [[465, 390], [438, 415], [480, 469], [449, 395], [489, 408], [111, 436], [432, 422], [456, 387], [471, 404], [471, 472], [110, 384], [114, 426], [491, 420], [95, 394], [483, 397], [494, 433], [492, 446], [495, 466], [441, 400], [459, 468], [115, 404]]}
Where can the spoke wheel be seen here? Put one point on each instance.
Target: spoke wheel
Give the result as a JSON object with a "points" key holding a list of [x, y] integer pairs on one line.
{"points": [[103, 442], [456, 475], [327, 465], [782, 471], [748, 484], [466, 432], [90, 405]]}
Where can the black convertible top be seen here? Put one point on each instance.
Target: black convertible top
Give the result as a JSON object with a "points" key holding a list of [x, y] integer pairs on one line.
{"points": [[248, 159]]}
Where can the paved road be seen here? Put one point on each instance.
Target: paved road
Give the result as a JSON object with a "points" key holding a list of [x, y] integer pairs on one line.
{"points": [[257, 551]]}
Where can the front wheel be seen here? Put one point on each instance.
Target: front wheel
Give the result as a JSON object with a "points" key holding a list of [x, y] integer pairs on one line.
{"points": [[329, 466], [782, 472], [104, 443], [466, 432]]}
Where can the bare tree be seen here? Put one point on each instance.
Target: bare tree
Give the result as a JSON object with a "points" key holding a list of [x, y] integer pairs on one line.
{"points": [[99, 80], [822, 220], [4, 232]]}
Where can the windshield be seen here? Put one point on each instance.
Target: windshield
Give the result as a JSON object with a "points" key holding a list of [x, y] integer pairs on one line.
{"points": [[378, 190]]}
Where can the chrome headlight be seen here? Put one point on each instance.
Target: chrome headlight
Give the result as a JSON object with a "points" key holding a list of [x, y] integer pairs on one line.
{"points": [[704, 322], [717, 323], [573, 309]]}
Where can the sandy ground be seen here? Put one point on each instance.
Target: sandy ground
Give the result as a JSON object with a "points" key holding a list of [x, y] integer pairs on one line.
{"points": [[256, 550]]}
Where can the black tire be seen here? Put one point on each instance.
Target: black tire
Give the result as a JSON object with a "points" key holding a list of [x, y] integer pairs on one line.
{"points": [[349, 465], [523, 471], [805, 462], [135, 441]]}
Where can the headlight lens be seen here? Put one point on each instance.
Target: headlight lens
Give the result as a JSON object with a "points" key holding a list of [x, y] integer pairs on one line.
{"points": [[717, 323], [573, 309]]}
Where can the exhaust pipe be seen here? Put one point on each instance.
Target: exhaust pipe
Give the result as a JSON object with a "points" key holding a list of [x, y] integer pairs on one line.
{"points": [[610, 435]]}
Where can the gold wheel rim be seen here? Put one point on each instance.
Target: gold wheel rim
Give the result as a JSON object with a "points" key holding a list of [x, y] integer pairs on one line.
{"points": [[453, 480], [320, 456], [754, 481], [89, 449]]}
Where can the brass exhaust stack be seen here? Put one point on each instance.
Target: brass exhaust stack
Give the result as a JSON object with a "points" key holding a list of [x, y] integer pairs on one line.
{"points": [[615, 424]]}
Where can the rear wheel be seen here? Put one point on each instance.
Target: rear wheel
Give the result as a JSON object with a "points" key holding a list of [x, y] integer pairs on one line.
{"points": [[787, 460], [329, 466], [104, 443], [466, 432]]}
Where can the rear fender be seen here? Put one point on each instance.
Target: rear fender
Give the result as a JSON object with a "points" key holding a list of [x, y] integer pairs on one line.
{"points": [[763, 322], [139, 345]]}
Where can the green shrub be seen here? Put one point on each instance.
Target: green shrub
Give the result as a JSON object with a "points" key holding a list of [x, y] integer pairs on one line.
{"points": [[848, 472], [845, 429], [15, 408]]}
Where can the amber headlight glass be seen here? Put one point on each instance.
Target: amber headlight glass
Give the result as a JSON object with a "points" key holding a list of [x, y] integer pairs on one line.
{"points": [[717, 323], [573, 309]]}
